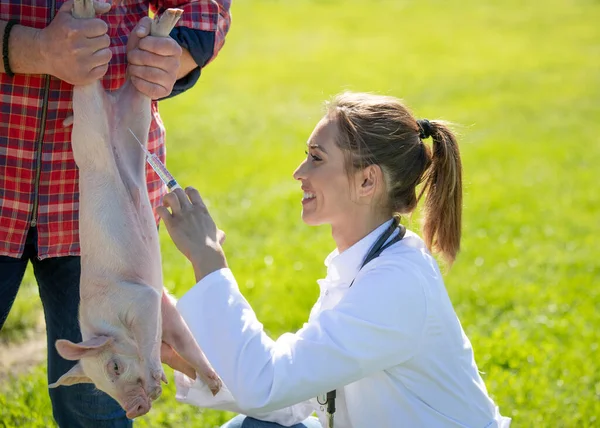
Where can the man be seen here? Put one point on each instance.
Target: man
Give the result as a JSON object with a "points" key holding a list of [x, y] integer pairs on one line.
{"points": [[45, 52]]}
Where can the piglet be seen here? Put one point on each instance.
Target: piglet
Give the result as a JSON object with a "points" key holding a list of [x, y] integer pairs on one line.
{"points": [[125, 313]]}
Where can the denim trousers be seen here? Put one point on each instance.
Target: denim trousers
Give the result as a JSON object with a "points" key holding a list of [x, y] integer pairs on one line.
{"points": [[76, 406], [241, 421]]}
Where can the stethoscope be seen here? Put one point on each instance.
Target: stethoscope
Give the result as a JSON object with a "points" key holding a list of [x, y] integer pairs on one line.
{"points": [[374, 252]]}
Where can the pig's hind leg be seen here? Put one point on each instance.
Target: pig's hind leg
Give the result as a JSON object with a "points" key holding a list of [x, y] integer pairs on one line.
{"points": [[83, 9], [177, 335], [133, 115]]}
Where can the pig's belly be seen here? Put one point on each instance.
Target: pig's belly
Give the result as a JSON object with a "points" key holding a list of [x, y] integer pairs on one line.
{"points": [[119, 240]]}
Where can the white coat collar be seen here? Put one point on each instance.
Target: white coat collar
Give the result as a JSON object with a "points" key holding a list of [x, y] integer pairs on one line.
{"points": [[343, 267]]}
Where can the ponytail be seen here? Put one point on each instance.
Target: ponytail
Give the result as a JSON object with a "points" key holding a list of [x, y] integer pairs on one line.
{"points": [[442, 211], [380, 130]]}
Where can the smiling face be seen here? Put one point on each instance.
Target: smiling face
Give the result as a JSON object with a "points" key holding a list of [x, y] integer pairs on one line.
{"points": [[328, 193]]}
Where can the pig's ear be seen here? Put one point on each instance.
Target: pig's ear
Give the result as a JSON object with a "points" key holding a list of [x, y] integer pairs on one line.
{"points": [[73, 376], [76, 351]]}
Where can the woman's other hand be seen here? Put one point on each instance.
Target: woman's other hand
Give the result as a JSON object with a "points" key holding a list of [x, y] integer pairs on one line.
{"points": [[193, 230]]}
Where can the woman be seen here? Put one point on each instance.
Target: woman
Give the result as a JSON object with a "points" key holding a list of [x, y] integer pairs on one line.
{"points": [[384, 337]]}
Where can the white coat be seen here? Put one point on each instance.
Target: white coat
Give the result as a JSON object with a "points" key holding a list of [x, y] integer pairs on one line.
{"points": [[391, 345]]}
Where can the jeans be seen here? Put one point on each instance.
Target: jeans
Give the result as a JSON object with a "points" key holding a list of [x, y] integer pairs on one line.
{"points": [[76, 406], [242, 421]]}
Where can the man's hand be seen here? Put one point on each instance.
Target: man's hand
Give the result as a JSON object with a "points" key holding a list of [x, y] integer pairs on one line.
{"points": [[153, 62], [76, 50]]}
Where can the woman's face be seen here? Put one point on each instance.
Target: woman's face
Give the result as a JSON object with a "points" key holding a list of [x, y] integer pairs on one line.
{"points": [[327, 194]]}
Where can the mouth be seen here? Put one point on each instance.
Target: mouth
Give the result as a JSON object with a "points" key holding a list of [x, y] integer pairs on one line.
{"points": [[308, 197]]}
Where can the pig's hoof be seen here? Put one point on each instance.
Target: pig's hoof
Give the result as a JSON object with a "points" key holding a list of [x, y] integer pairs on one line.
{"points": [[159, 375], [213, 381], [155, 393], [215, 389]]}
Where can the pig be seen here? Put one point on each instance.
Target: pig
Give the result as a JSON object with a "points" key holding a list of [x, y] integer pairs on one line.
{"points": [[125, 314]]}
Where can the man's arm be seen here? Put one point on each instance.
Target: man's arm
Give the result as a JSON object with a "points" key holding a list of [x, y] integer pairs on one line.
{"points": [[24, 51], [69, 49], [201, 34], [186, 65]]}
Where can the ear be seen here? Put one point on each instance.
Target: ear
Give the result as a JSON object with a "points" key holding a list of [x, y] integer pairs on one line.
{"points": [[73, 376], [369, 178], [76, 351]]}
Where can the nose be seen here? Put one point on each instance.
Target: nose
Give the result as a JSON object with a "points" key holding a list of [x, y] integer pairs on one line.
{"points": [[141, 408], [299, 173]]}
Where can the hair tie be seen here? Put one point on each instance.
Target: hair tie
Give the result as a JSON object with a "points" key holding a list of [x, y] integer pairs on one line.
{"points": [[425, 128]]}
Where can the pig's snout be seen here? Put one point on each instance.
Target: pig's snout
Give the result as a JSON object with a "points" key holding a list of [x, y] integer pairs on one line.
{"points": [[139, 408], [142, 405]]}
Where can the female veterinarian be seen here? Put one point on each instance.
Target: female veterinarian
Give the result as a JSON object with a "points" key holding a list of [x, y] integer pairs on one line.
{"points": [[383, 337]]}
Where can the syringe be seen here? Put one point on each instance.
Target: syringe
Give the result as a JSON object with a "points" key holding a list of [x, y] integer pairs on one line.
{"points": [[158, 166]]}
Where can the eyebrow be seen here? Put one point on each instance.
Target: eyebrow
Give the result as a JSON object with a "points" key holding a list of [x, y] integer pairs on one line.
{"points": [[316, 146]]}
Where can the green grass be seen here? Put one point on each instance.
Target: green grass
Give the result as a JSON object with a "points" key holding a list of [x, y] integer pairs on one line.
{"points": [[522, 81]]}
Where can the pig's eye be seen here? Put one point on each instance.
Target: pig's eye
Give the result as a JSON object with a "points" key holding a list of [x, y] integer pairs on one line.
{"points": [[115, 368]]}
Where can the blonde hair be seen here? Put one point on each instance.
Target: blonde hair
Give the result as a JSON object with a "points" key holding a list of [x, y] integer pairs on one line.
{"points": [[380, 130]]}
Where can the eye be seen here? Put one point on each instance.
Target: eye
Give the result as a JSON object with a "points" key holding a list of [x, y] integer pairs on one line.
{"points": [[313, 157], [115, 368]]}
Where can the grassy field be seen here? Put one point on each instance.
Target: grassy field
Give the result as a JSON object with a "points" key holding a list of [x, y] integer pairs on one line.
{"points": [[521, 79]]}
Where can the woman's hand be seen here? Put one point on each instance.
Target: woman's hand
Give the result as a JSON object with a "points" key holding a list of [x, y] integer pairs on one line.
{"points": [[193, 230]]}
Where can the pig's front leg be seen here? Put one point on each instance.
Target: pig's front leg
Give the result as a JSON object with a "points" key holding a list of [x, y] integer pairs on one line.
{"points": [[177, 335]]}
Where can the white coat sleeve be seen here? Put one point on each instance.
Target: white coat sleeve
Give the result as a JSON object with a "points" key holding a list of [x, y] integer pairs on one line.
{"points": [[377, 324], [196, 392]]}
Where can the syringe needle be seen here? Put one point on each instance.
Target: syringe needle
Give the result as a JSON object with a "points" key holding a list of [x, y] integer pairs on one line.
{"points": [[158, 167], [139, 142]]}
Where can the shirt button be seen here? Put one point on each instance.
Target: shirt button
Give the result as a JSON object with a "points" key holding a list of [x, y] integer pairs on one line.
{"points": [[327, 292]]}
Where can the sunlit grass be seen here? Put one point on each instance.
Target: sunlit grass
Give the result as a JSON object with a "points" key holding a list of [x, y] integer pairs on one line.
{"points": [[521, 80]]}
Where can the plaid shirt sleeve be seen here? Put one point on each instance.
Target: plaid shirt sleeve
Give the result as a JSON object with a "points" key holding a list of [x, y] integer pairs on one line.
{"points": [[201, 31], [206, 15]]}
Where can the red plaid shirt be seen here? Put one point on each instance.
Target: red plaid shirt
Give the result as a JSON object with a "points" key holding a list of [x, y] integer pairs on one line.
{"points": [[38, 176]]}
